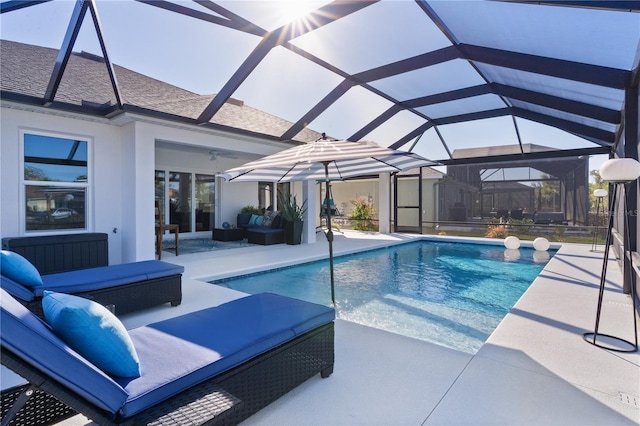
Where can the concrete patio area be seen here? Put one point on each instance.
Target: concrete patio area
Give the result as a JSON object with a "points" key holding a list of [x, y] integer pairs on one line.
{"points": [[534, 369]]}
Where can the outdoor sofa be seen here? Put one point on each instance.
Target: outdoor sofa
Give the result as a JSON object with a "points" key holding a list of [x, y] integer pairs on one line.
{"points": [[215, 366], [264, 229], [125, 288]]}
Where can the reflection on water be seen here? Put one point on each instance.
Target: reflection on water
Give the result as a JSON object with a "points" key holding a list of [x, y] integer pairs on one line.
{"points": [[511, 254]]}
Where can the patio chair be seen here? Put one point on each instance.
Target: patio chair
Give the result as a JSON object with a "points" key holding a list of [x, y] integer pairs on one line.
{"points": [[332, 208], [323, 215], [161, 227], [516, 214], [502, 214], [187, 372]]}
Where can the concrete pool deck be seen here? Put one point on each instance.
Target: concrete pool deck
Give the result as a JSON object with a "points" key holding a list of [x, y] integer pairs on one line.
{"points": [[534, 369]]}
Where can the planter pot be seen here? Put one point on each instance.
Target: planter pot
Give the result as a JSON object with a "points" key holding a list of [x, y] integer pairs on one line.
{"points": [[293, 232]]}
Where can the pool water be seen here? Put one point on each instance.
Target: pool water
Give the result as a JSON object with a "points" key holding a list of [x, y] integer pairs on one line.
{"points": [[451, 294]]}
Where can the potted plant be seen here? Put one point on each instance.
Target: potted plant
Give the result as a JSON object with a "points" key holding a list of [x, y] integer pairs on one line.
{"points": [[293, 213], [251, 209]]}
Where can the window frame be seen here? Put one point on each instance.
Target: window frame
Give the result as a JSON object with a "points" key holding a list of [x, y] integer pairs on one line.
{"points": [[87, 186]]}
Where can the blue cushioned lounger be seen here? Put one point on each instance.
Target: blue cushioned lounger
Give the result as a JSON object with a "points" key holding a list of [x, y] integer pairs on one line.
{"points": [[235, 359], [128, 286]]}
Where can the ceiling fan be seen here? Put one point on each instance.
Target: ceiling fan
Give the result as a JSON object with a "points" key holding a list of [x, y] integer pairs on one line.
{"points": [[214, 154]]}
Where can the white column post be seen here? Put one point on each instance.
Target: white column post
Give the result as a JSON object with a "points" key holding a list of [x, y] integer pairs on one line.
{"points": [[274, 196], [309, 224], [384, 197], [138, 156]]}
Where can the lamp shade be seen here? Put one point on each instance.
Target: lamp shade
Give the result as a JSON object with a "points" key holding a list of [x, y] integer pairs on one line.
{"points": [[600, 193], [620, 170]]}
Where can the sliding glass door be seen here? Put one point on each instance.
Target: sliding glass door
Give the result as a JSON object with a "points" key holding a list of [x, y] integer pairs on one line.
{"points": [[205, 202], [186, 199]]}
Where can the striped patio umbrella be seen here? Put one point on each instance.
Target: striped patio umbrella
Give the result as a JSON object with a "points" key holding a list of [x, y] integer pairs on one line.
{"points": [[326, 160]]}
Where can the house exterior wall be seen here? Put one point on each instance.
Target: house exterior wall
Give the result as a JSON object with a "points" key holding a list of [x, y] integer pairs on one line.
{"points": [[123, 154], [122, 160], [104, 195], [344, 192]]}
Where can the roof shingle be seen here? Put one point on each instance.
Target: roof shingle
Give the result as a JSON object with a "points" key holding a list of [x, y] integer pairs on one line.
{"points": [[26, 69]]}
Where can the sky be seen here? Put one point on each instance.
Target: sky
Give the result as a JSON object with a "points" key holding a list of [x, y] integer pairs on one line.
{"points": [[201, 57]]}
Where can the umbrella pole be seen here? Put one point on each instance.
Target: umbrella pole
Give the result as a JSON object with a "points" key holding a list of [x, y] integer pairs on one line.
{"points": [[329, 231]]}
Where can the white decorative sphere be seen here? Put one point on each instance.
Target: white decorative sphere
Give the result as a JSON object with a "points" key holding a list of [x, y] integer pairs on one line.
{"points": [[541, 244], [511, 255], [600, 193], [512, 243], [620, 170]]}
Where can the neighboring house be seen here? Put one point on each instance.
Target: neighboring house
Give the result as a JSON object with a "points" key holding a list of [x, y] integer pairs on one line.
{"points": [[546, 189], [75, 167]]}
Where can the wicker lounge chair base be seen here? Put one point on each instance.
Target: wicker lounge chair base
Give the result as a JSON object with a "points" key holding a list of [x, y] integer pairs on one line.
{"points": [[126, 287], [38, 407], [227, 398], [130, 297]]}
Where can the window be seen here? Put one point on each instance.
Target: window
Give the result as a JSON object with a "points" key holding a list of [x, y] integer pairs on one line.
{"points": [[159, 189], [180, 200], [55, 182], [284, 187], [265, 195]]}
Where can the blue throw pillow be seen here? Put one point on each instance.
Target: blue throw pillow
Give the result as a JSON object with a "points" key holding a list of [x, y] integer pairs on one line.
{"points": [[92, 331], [19, 269], [256, 220]]}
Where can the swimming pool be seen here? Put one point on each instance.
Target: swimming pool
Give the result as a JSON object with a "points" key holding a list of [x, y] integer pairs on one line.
{"points": [[452, 294]]}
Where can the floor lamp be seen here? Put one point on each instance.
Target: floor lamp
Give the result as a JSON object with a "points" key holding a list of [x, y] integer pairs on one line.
{"points": [[599, 195], [618, 172]]}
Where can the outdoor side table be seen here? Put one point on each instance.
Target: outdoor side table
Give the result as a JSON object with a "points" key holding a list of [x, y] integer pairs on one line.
{"points": [[228, 234]]}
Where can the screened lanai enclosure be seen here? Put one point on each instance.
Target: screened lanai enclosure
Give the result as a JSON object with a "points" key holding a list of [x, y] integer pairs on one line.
{"points": [[425, 76], [430, 77], [545, 191]]}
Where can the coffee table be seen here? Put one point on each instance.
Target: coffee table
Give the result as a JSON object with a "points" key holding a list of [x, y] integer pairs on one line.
{"points": [[228, 234]]}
